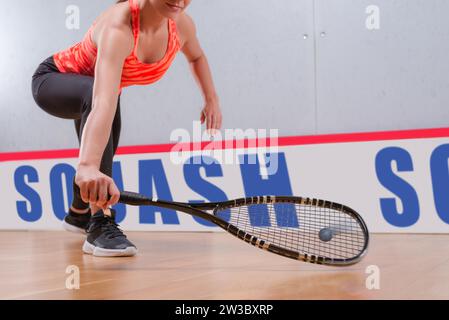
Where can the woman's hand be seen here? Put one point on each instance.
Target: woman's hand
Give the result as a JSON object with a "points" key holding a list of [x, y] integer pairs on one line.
{"points": [[211, 114], [96, 186]]}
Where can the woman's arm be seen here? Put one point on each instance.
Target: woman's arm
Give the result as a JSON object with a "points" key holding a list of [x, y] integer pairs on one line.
{"points": [[114, 45], [201, 71]]}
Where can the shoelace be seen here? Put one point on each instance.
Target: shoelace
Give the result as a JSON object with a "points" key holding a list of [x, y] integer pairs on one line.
{"points": [[109, 227]]}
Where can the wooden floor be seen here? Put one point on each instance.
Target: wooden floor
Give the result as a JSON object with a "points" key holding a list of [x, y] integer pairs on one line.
{"points": [[216, 266]]}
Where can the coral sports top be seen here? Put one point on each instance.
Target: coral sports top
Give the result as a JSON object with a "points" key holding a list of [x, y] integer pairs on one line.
{"points": [[81, 57]]}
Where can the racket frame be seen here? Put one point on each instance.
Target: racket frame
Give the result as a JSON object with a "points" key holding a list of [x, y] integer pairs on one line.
{"points": [[196, 209]]}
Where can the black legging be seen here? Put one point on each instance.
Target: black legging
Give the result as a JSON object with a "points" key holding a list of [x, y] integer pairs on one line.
{"points": [[69, 96]]}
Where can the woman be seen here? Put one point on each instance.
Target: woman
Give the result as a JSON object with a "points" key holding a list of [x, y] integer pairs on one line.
{"points": [[132, 43]]}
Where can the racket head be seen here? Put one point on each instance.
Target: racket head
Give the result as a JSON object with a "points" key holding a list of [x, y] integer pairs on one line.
{"points": [[294, 227], [307, 218]]}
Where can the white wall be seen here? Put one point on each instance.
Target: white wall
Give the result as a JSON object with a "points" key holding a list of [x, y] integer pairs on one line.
{"points": [[396, 77], [267, 74]]}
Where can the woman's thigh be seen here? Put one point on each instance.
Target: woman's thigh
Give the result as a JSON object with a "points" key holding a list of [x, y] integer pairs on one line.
{"points": [[64, 95]]}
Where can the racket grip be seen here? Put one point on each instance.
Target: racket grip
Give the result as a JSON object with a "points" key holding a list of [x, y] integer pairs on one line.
{"points": [[125, 197], [133, 198]]}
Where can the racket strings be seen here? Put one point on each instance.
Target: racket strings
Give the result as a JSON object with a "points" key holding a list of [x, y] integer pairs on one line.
{"points": [[297, 227]]}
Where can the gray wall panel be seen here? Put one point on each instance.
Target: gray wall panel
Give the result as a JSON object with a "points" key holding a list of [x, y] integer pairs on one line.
{"points": [[264, 70], [396, 77], [261, 65]]}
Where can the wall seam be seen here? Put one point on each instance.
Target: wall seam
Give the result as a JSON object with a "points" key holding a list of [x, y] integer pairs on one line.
{"points": [[315, 67]]}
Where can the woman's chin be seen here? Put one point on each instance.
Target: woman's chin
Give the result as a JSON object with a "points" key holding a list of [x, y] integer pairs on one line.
{"points": [[171, 11]]}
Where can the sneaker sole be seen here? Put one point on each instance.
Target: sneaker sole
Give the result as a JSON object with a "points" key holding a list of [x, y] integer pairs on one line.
{"points": [[72, 228], [101, 252]]}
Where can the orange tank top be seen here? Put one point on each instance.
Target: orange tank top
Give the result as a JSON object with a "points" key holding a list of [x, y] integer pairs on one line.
{"points": [[81, 57]]}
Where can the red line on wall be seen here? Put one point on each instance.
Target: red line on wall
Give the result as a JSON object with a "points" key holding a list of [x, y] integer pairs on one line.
{"points": [[282, 141]]}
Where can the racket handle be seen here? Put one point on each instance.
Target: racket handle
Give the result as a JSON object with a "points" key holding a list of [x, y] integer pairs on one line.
{"points": [[133, 198]]}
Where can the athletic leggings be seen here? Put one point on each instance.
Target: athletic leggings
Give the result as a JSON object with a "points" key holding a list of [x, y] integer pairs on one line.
{"points": [[69, 96]]}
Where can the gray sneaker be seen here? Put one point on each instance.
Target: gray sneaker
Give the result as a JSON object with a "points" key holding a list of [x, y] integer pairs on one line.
{"points": [[105, 239]]}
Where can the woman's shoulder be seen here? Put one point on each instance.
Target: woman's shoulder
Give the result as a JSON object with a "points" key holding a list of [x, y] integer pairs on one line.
{"points": [[185, 26], [117, 16]]}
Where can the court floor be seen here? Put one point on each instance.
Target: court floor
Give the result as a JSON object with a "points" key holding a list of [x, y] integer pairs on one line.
{"points": [[216, 266]]}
